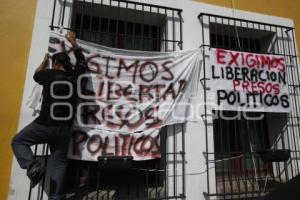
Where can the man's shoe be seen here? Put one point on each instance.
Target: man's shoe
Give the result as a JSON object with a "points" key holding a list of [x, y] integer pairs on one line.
{"points": [[35, 173]]}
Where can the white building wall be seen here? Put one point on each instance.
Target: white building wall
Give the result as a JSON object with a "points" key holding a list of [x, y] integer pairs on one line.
{"points": [[195, 144]]}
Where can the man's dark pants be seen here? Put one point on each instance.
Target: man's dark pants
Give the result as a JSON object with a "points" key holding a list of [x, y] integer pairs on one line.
{"points": [[58, 138]]}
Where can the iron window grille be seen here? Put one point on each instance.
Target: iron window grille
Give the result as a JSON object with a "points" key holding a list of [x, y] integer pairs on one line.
{"points": [[239, 171], [127, 25]]}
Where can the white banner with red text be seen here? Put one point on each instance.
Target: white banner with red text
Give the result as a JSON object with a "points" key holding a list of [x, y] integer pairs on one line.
{"points": [[242, 81], [127, 96]]}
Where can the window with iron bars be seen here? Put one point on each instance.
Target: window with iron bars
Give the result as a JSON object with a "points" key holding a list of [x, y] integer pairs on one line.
{"points": [[240, 171], [135, 26]]}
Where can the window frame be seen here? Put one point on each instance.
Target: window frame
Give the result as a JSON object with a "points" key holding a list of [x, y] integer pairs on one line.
{"points": [[284, 46], [61, 15]]}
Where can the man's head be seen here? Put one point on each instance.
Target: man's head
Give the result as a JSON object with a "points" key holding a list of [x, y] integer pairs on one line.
{"points": [[61, 61]]}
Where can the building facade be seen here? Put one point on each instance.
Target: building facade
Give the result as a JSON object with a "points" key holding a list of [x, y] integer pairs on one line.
{"points": [[211, 159]]}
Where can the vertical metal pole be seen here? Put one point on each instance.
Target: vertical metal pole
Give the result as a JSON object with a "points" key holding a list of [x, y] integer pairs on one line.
{"points": [[247, 39], [237, 36], [147, 182], [98, 179], [63, 14], [30, 188], [180, 28], [205, 107], [87, 181], [73, 16], [100, 37], [150, 36], [297, 117], [282, 135], [291, 118], [126, 24], [53, 15], [250, 140], [276, 51], [223, 34], [156, 179], [237, 149], [166, 31], [173, 33], [183, 159], [77, 180], [91, 21], [174, 162], [109, 24], [166, 162], [118, 35], [295, 56], [182, 125], [81, 20], [158, 36], [220, 134], [258, 144], [44, 178], [228, 153], [142, 34], [134, 29], [246, 155], [215, 131]]}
